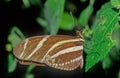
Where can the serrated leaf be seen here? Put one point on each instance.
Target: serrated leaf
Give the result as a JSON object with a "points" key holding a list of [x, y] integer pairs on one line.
{"points": [[11, 63], [101, 42], [67, 22], [53, 14], [104, 7], [85, 14]]}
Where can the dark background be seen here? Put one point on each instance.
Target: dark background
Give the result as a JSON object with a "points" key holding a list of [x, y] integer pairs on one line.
{"points": [[11, 14]]}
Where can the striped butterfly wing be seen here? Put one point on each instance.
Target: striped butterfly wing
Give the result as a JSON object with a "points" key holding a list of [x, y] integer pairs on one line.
{"points": [[58, 51]]}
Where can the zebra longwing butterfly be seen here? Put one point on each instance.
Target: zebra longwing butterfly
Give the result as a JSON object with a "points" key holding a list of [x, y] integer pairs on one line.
{"points": [[58, 51]]}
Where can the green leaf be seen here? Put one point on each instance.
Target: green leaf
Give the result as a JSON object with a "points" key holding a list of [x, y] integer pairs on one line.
{"points": [[101, 41], [53, 14], [15, 36], [11, 63], [85, 14], [115, 3], [104, 7], [67, 22]]}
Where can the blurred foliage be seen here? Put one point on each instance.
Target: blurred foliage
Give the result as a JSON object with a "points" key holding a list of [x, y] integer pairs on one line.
{"points": [[86, 13], [29, 3], [14, 37], [8, 47], [67, 22], [11, 63], [102, 35], [118, 74], [107, 63], [53, 14], [115, 3], [82, 0], [28, 72], [7, 1]]}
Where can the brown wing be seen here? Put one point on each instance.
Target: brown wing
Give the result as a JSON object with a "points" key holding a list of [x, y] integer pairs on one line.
{"points": [[35, 50]]}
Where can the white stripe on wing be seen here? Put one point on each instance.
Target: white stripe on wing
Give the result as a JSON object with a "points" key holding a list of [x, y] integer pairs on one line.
{"points": [[40, 44]]}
